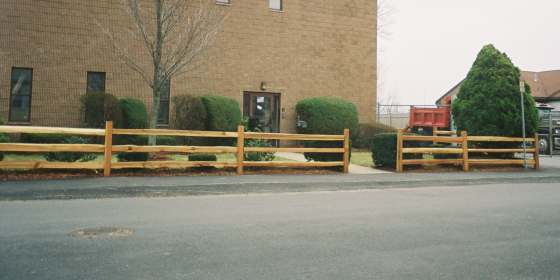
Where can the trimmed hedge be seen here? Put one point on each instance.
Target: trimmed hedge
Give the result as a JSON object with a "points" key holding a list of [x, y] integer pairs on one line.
{"points": [[141, 141], [223, 114], [384, 150], [203, 157], [37, 138], [366, 133], [326, 115], [135, 116], [4, 138], [134, 113], [71, 157], [99, 108], [190, 113]]}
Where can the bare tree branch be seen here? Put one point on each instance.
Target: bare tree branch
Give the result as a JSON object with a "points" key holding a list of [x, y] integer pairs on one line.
{"points": [[175, 33]]}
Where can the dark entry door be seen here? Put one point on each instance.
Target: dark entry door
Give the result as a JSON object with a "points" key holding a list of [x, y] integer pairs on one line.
{"points": [[262, 110]]}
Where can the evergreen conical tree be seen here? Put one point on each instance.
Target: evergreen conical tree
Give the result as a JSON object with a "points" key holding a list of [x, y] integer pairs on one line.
{"points": [[489, 102]]}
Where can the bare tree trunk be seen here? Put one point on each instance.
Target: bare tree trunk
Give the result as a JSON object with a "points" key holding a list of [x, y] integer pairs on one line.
{"points": [[157, 71], [175, 38]]}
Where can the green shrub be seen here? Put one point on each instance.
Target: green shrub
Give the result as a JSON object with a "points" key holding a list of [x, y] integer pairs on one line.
{"points": [[166, 141], [203, 157], [135, 116], [134, 113], [38, 138], [223, 114], [132, 140], [366, 132], [488, 101], [190, 113], [259, 156], [384, 150], [326, 115], [141, 141], [446, 156], [69, 156], [99, 108], [4, 138]]}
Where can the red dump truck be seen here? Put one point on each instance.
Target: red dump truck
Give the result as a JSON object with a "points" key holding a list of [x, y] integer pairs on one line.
{"points": [[423, 120], [429, 118]]}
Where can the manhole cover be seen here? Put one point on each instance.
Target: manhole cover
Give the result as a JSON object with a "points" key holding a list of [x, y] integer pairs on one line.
{"points": [[100, 232]]}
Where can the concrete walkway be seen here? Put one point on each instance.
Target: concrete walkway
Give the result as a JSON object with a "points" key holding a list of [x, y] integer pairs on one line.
{"points": [[354, 169]]}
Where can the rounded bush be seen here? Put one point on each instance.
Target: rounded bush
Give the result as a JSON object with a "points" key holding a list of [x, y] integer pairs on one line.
{"points": [[99, 108], [39, 138], [366, 132], [190, 113], [141, 141], [71, 157], [135, 116], [326, 115], [4, 138], [203, 157], [223, 114], [134, 113], [384, 150]]}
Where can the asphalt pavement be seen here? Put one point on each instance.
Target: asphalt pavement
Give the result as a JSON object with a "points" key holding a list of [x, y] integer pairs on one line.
{"points": [[114, 187], [504, 231]]}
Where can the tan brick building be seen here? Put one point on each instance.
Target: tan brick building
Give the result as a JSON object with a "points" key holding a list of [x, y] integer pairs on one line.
{"points": [[49, 50]]}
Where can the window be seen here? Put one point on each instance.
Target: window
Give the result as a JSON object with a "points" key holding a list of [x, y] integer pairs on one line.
{"points": [[275, 5], [20, 95], [95, 82], [163, 112], [223, 1]]}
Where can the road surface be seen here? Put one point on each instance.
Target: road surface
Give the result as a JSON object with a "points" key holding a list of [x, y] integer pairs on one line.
{"points": [[472, 232]]}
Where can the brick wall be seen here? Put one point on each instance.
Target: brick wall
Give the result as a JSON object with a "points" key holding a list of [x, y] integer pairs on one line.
{"points": [[312, 48]]}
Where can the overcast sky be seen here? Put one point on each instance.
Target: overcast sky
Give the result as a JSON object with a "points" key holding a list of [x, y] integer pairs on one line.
{"points": [[433, 43]]}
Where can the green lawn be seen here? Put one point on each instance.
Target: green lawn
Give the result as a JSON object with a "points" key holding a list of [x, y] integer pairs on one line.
{"points": [[361, 158]]}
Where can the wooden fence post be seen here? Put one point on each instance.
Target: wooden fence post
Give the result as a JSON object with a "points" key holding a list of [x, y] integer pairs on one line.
{"points": [[465, 151], [435, 134], [399, 150], [108, 152], [240, 149], [537, 151], [346, 150]]}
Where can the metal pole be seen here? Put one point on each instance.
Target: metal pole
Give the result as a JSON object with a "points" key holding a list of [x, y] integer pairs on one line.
{"points": [[522, 90], [550, 132]]}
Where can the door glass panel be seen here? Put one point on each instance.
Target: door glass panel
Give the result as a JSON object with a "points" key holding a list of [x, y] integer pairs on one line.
{"points": [[262, 111]]}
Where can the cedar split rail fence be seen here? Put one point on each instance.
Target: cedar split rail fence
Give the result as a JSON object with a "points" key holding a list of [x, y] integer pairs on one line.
{"points": [[108, 149], [461, 148]]}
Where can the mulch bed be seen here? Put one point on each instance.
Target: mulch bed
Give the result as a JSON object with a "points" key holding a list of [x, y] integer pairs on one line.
{"points": [[76, 174], [453, 168]]}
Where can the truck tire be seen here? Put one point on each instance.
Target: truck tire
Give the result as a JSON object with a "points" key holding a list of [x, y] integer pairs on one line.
{"points": [[543, 145]]}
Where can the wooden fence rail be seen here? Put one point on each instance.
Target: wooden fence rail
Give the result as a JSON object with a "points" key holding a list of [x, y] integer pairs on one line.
{"points": [[462, 149], [108, 149]]}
